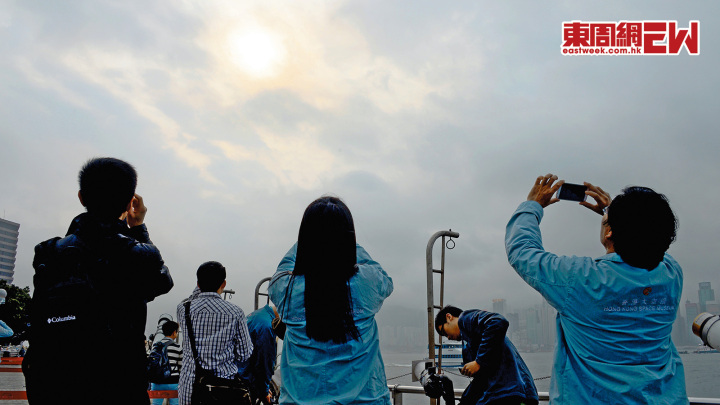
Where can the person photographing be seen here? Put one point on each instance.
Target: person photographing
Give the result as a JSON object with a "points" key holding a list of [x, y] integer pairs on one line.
{"points": [[615, 312]]}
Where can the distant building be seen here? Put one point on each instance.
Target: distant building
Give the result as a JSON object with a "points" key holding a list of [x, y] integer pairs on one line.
{"points": [[691, 311], [514, 327], [712, 307], [9, 232], [680, 331], [705, 294], [548, 328], [499, 306], [532, 325]]}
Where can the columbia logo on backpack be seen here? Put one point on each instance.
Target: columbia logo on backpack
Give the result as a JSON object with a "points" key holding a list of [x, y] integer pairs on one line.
{"points": [[67, 318]]}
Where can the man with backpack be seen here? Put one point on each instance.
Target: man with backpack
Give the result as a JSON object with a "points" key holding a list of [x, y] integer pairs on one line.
{"points": [[164, 362], [91, 290]]}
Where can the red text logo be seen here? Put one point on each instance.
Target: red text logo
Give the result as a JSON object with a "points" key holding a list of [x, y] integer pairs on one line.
{"points": [[629, 38]]}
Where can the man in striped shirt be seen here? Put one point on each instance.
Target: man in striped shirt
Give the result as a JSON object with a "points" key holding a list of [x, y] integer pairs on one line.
{"points": [[219, 327]]}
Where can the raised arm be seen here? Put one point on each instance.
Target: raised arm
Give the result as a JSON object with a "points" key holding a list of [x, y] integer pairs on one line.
{"points": [[546, 272]]}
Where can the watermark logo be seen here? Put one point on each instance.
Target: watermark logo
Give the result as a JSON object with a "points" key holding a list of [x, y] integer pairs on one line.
{"points": [[61, 319], [629, 38]]}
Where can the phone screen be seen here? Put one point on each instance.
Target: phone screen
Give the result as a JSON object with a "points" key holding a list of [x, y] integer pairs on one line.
{"points": [[572, 192]]}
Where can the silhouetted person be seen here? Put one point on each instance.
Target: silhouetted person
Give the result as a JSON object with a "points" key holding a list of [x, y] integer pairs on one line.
{"points": [[91, 293]]}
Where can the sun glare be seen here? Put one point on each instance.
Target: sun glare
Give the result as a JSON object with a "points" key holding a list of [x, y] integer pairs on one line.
{"points": [[257, 52]]}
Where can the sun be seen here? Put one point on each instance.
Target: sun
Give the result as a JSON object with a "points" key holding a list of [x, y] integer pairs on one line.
{"points": [[257, 52]]}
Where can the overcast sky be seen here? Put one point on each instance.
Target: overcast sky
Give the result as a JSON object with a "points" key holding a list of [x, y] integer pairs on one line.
{"points": [[421, 115]]}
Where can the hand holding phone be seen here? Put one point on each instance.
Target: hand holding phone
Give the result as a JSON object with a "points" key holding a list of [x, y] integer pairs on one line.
{"points": [[544, 188], [602, 199], [572, 192]]}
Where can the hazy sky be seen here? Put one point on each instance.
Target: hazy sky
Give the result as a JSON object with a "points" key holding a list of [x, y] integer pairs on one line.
{"points": [[421, 115]]}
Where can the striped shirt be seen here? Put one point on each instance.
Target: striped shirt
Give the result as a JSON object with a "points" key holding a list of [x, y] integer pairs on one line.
{"points": [[221, 339], [174, 352]]}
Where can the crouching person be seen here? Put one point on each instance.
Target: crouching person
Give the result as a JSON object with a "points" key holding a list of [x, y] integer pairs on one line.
{"points": [[257, 372], [500, 376]]}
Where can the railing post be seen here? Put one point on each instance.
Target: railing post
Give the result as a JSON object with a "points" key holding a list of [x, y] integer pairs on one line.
{"points": [[430, 293], [397, 396]]}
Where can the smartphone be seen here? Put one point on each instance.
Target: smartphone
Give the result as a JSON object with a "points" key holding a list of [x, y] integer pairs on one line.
{"points": [[572, 192]]}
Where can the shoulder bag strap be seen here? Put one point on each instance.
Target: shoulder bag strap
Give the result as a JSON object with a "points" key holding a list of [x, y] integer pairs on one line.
{"points": [[191, 335], [288, 290]]}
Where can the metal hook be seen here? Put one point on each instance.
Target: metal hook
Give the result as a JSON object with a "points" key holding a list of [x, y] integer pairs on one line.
{"points": [[447, 244]]}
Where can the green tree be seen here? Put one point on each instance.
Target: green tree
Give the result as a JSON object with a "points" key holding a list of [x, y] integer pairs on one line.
{"points": [[15, 311]]}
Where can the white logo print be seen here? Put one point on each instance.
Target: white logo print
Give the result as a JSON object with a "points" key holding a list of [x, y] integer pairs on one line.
{"points": [[63, 319]]}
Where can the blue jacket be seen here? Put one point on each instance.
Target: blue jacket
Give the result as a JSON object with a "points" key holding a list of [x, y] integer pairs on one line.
{"points": [[5, 330], [326, 372], [614, 321], [258, 370], [502, 373]]}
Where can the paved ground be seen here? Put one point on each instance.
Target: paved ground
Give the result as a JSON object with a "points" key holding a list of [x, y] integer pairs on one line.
{"points": [[11, 382]]}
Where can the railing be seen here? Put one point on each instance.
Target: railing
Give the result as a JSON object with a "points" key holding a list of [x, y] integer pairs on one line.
{"points": [[258, 293], [397, 391]]}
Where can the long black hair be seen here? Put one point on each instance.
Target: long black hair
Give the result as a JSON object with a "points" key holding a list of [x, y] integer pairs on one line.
{"points": [[326, 256]]}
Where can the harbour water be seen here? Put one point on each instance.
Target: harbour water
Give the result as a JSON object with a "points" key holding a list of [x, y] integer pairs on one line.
{"points": [[702, 372]]}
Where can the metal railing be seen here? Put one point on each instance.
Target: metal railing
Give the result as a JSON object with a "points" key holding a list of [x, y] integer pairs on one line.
{"points": [[397, 391], [258, 293]]}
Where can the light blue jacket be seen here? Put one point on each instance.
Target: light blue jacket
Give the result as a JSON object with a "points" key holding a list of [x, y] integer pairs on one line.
{"points": [[5, 330], [614, 321], [326, 372]]}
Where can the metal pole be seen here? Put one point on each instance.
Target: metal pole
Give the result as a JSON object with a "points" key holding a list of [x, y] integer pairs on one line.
{"points": [[442, 299], [258, 293], [430, 294]]}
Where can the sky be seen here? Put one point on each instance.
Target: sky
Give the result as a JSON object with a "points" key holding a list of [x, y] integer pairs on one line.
{"points": [[422, 116]]}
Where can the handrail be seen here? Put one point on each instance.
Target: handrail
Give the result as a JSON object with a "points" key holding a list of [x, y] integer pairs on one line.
{"points": [[258, 293], [15, 395], [397, 390]]}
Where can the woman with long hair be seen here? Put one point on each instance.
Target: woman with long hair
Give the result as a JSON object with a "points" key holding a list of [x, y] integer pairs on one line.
{"points": [[327, 290]]}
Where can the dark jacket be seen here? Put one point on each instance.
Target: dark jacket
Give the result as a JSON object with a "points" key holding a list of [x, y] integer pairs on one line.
{"points": [[503, 374], [259, 369], [104, 349]]}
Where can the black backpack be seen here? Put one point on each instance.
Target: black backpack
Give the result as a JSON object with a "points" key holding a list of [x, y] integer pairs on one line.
{"points": [[158, 364], [68, 303]]}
